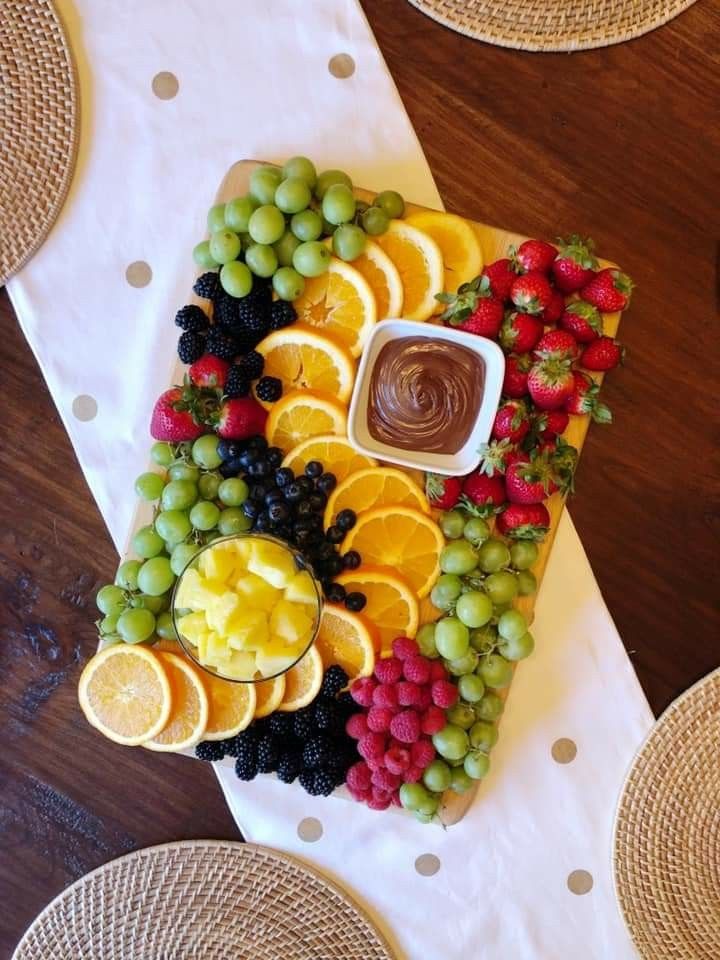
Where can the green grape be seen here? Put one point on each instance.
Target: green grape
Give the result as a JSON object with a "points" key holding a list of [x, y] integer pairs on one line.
{"points": [[292, 195], [412, 795], [264, 181], [360, 208], [238, 213], [476, 531], [375, 221], [483, 735], [446, 591], [527, 583], [233, 520], [147, 543], [208, 485], [460, 782], [490, 707], [162, 454], [156, 576], [457, 762], [267, 224], [428, 808], [437, 776], [517, 648], [286, 247], [493, 555], [216, 218], [181, 556], [523, 554], [452, 638], [475, 608], [512, 625], [349, 241], [423, 817], [476, 764], [471, 687], [328, 229], [484, 638], [164, 626], [451, 742], [495, 671], [329, 178], [501, 587], [311, 259], [145, 601], [306, 225], [203, 257], [205, 451], [461, 715], [236, 279], [149, 486], [108, 625], [179, 495], [127, 574], [212, 535], [338, 204], [452, 524], [233, 492], [462, 665], [173, 526], [111, 640], [110, 600], [287, 283], [301, 167], [224, 245], [426, 640], [136, 625], [204, 515], [185, 471], [262, 259], [458, 557], [391, 203]]}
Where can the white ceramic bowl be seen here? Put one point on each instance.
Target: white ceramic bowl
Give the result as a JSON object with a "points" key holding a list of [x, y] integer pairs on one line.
{"points": [[468, 457]]}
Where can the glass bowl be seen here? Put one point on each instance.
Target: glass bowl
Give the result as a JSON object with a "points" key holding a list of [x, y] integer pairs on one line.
{"points": [[177, 612]]}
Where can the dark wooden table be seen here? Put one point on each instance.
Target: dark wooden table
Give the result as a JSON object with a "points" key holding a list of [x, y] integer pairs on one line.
{"points": [[622, 143]]}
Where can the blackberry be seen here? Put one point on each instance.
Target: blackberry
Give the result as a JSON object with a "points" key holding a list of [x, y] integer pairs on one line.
{"points": [[191, 346], [231, 746], [192, 318], [225, 311], [247, 340], [337, 768], [307, 782], [252, 365], [206, 285], [288, 768], [281, 724], [282, 314], [267, 757], [302, 724], [236, 385], [334, 681], [246, 768], [324, 714], [210, 750], [268, 389], [318, 751], [219, 344], [346, 704], [249, 734], [323, 783]]}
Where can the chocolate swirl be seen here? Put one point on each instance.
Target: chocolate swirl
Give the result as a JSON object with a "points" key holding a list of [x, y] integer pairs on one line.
{"points": [[425, 394]]}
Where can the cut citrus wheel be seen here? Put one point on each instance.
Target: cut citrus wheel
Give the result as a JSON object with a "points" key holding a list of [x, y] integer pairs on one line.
{"points": [[461, 251], [269, 694], [375, 487], [391, 604], [232, 707], [336, 454], [302, 682], [300, 415], [429, 613], [400, 538], [347, 639], [125, 693], [339, 303], [383, 278], [420, 265], [189, 712], [304, 359]]}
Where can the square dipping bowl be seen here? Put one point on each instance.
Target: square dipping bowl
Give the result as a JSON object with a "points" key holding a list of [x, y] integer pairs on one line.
{"points": [[468, 457]]}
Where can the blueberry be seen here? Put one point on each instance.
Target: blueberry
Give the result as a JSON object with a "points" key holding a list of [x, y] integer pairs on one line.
{"points": [[325, 551], [257, 492], [274, 495], [313, 469], [333, 566], [279, 512], [262, 523], [231, 468], [346, 520], [351, 560], [293, 492], [304, 509], [284, 476], [334, 534], [261, 468], [305, 484], [251, 509], [335, 593], [355, 601], [326, 483], [317, 501], [258, 443], [229, 449], [274, 456]]}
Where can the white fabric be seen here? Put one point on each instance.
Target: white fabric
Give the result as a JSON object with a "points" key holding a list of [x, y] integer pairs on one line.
{"points": [[253, 82]]}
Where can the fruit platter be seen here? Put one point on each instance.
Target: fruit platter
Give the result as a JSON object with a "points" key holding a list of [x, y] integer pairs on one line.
{"points": [[355, 482]]}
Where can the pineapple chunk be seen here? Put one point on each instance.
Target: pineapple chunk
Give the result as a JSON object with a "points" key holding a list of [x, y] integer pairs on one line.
{"points": [[187, 593], [217, 651], [218, 563], [269, 663], [301, 589], [220, 611], [256, 593], [240, 666], [290, 623], [243, 548], [272, 562], [248, 630], [192, 626]]}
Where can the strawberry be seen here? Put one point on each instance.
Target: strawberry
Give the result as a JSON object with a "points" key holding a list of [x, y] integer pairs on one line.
{"points": [[563, 459], [575, 265], [608, 290], [557, 343], [530, 481], [584, 399], [582, 320], [551, 423], [524, 521], [516, 371], [550, 382], [554, 310], [511, 422], [496, 456], [602, 354], [482, 495], [209, 371], [173, 419], [531, 292], [442, 492], [520, 332], [534, 255], [485, 319], [473, 308], [501, 276], [241, 418]]}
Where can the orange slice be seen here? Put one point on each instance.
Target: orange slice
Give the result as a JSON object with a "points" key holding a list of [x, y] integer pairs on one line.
{"points": [[125, 693], [304, 359], [401, 538], [347, 639], [383, 279], [232, 707], [269, 694], [189, 713], [460, 248], [391, 604], [302, 682], [300, 415], [375, 487], [336, 454], [339, 303], [420, 264]]}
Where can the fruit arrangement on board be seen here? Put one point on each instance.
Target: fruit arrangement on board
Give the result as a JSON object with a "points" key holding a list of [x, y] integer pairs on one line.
{"points": [[297, 605]]}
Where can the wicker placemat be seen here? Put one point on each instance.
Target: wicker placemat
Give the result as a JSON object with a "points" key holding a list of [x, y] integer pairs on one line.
{"points": [[546, 25], [206, 899], [39, 125], [667, 832]]}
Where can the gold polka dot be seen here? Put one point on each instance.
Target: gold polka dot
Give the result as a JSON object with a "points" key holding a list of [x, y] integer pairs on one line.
{"points": [[580, 882], [564, 750], [165, 85], [310, 830], [138, 274], [341, 66], [84, 407], [427, 864]]}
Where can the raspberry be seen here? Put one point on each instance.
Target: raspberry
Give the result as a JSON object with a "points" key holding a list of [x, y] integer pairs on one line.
{"points": [[422, 753], [424, 697], [362, 690], [444, 694], [358, 777], [372, 746], [378, 718], [389, 670], [405, 726], [384, 780], [404, 647], [408, 694], [397, 758], [433, 720], [379, 800], [395, 799], [385, 696], [357, 726], [437, 670], [375, 763], [412, 774], [360, 795], [417, 670]]}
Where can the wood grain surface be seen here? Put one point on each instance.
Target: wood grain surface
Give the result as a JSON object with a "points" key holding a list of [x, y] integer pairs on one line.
{"points": [[622, 143]]}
